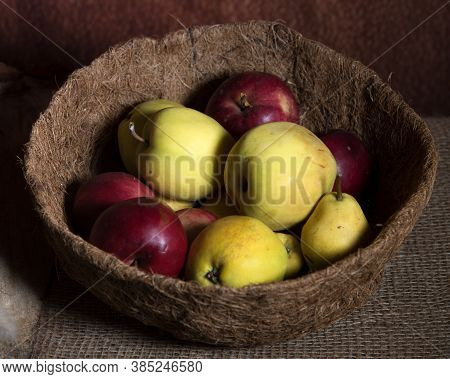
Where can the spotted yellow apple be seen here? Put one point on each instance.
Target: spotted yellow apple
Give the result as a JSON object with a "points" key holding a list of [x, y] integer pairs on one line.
{"points": [[183, 153], [236, 251], [277, 172], [129, 146]]}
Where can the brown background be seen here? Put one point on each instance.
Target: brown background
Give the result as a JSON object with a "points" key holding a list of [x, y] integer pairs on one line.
{"points": [[359, 28]]}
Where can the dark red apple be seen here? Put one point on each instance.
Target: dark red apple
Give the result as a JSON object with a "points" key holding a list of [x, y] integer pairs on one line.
{"points": [[354, 163], [194, 220], [142, 232], [250, 99], [102, 191]]}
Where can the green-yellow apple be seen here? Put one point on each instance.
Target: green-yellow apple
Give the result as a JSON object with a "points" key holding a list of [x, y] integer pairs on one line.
{"points": [[183, 153], [294, 251], [175, 205], [277, 172], [129, 147], [220, 205], [236, 251]]}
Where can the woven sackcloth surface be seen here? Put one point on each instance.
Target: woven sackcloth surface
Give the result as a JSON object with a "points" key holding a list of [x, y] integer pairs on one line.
{"points": [[408, 317]]}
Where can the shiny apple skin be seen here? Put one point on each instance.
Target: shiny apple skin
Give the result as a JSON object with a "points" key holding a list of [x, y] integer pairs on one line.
{"points": [[269, 99], [354, 164], [142, 232], [194, 220], [102, 191]]}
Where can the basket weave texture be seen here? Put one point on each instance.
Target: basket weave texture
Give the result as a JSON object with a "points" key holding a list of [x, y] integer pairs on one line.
{"points": [[72, 141]]}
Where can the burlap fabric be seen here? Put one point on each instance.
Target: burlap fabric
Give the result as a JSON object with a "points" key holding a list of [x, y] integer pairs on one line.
{"points": [[25, 262], [407, 318], [69, 143]]}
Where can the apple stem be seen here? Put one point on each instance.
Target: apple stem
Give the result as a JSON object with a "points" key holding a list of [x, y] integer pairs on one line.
{"points": [[339, 196], [244, 103], [136, 136]]}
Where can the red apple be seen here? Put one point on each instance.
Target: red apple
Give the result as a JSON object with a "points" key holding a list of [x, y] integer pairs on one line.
{"points": [[353, 161], [142, 232], [250, 99], [194, 220], [102, 191]]}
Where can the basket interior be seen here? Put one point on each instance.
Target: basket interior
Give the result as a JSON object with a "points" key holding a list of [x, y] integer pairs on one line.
{"points": [[333, 92]]}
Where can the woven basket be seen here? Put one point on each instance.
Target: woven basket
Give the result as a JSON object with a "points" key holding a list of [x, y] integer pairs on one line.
{"points": [[72, 140]]}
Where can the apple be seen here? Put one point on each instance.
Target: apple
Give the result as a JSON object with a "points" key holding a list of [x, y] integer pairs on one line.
{"points": [[277, 172], [129, 146], [250, 99], [353, 161], [294, 251], [142, 232], [194, 220], [175, 205], [102, 191], [183, 153], [236, 251], [219, 204]]}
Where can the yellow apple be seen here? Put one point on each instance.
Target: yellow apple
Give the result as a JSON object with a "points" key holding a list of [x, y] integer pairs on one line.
{"points": [[129, 147], [220, 205], [183, 153], [175, 205], [236, 251], [277, 172], [295, 258]]}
